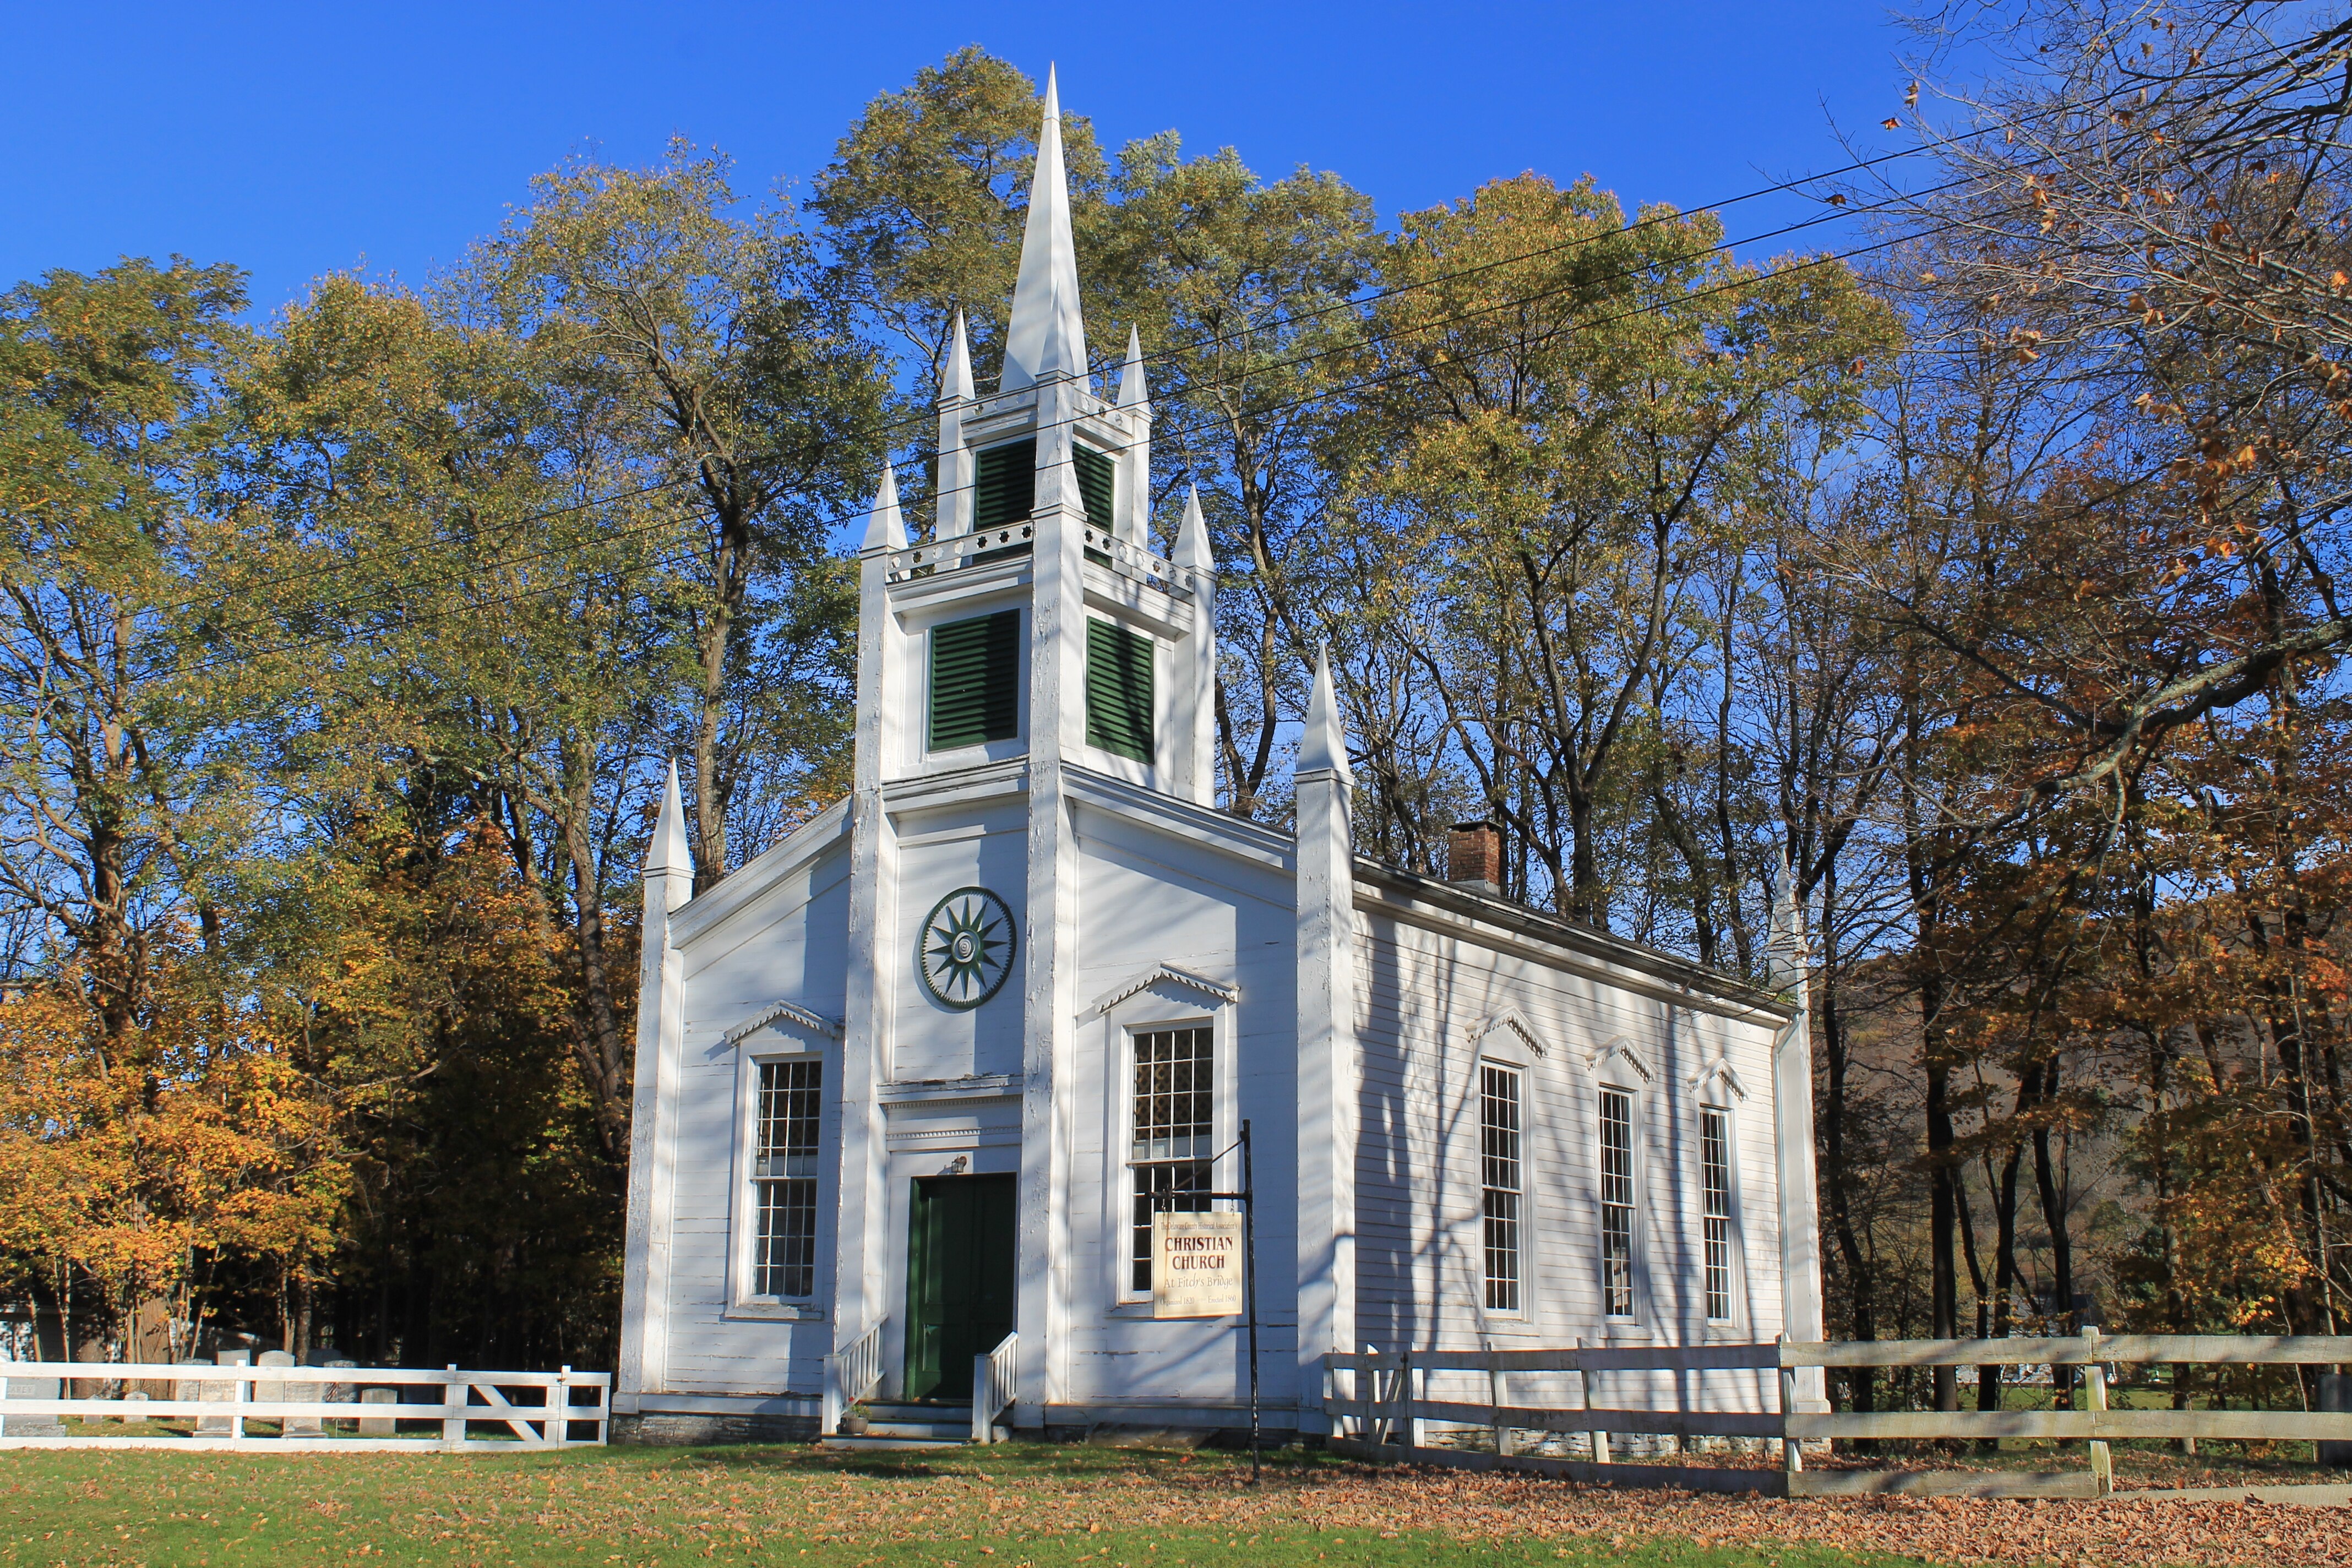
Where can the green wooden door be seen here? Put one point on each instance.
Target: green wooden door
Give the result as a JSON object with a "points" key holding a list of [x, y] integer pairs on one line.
{"points": [[960, 1248]]}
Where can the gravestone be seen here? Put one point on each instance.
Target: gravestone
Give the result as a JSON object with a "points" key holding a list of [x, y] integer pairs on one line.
{"points": [[185, 1388], [341, 1392], [378, 1425], [2335, 1396], [134, 1396], [220, 1391], [291, 1393], [36, 1426]]}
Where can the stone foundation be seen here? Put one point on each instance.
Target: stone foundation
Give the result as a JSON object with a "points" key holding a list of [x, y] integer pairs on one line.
{"points": [[675, 1431]]}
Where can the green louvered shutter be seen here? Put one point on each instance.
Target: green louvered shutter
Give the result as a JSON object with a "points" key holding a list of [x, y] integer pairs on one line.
{"points": [[1004, 484], [1097, 485], [976, 680], [1119, 690]]}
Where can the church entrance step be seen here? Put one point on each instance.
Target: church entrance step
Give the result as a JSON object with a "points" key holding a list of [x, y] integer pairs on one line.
{"points": [[920, 1424], [937, 1431], [918, 1410], [872, 1443]]}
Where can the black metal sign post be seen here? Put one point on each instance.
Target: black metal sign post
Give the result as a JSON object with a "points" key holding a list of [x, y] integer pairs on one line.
{"points": [[1165, 1201]]}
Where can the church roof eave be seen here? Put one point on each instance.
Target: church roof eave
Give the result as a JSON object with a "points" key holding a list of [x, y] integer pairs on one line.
{"points": [[1617, 960]]}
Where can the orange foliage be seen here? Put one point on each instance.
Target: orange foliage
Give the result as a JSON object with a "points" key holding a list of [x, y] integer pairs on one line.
{"points": [[136, 1160]]}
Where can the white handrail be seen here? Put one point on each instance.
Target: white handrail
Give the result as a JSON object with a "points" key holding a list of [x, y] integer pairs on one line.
{"points": [[992, 1387], [850, 1374]]}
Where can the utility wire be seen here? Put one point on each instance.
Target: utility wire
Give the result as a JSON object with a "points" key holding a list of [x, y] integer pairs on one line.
{"points": [[1354, 302], [336, 640], [1509, 304]]}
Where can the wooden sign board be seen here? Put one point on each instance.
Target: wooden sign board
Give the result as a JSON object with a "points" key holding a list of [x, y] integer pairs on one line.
{"points": [[1196, 1265]]}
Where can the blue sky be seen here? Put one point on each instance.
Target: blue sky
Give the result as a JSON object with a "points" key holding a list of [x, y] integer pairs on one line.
{"points": [[299, 140]]}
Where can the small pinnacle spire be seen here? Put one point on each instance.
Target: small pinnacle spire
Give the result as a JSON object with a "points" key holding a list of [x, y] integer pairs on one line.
{"points": [[1325, 744], [1047, 336], [1132, 392], [956, 382], [885, 529], [667, 851], [1784, 942], [1193, 550]]}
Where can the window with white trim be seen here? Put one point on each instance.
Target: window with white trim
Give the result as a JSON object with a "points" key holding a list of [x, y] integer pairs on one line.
{"points": [[1715, 1183], [783, 1178], [1616, 1203], [1172, 1147], [1498, 1181]]}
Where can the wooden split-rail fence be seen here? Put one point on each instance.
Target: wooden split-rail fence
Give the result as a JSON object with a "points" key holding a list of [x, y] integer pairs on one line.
{"points": [[1379, 1404], [381, 1409]]}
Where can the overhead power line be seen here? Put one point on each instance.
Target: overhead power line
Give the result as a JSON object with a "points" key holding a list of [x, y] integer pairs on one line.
{"points": [[1174, 353], [1558, 330]]}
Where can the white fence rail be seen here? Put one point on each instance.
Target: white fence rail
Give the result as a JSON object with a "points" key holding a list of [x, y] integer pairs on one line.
{"points": [[1382, 1411], [526, 1409], [993, 1387]]}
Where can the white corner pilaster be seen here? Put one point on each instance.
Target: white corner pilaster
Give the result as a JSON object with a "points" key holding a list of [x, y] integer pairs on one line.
{"points": [[1050, 961], [1801, 1315], [1328, 1089], [861, 1257], [653, 1125]]}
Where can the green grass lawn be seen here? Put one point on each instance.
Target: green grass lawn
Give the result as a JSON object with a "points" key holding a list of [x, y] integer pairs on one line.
{"points": [[998, 1507]]}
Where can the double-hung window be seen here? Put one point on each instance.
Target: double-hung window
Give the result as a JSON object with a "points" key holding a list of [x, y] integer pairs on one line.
{"points": [[1499, 1179], [1174, 1148], [1616, 1203], [1715, 1183], [783, 1174]]}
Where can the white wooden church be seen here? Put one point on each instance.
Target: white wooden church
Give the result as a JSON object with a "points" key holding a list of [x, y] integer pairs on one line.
{"points": [[908, 1082]]}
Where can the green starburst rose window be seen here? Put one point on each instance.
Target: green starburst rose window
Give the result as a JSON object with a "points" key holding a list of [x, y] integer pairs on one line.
{"points": [[965, 949]]}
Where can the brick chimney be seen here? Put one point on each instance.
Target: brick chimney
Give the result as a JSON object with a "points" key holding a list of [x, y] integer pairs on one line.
{"points": [[1473, 857]]}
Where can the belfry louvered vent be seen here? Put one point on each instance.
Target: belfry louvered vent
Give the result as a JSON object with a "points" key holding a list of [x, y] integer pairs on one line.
{"points": [[1119, 690], [1004, 484], [1097, 485], [976, 680]]}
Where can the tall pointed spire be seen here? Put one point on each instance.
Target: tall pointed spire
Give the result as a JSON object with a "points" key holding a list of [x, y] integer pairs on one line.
{"points": [[1132, 392], [1325, 744], [1192, 550], [668, 850], [956, 382], [1047, 335], [885, 529]]}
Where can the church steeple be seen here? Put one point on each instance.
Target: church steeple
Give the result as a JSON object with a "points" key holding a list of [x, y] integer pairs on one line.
{"points": [[1047, 336]]}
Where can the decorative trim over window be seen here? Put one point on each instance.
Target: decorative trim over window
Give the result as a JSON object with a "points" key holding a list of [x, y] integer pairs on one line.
{"points": [[1511, 1018], [1718, 1072], [1145, 980], [816, 1023], [1622, 1049]]}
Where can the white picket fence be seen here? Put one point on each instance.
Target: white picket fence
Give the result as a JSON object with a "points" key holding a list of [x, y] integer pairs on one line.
{"points": [[517, 1410]]}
